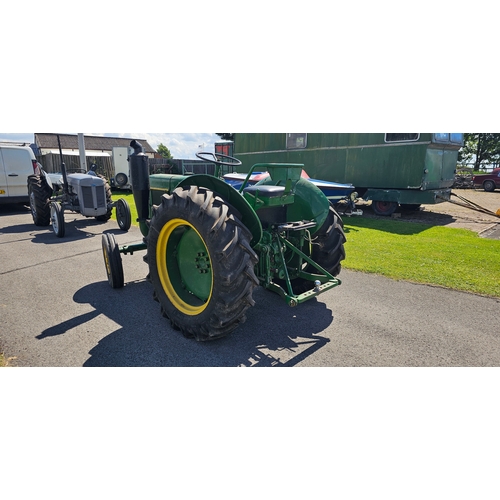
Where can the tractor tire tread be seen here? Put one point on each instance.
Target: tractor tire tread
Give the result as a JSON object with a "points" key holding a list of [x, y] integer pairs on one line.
{"points": [[233, 261], [41, 194]]}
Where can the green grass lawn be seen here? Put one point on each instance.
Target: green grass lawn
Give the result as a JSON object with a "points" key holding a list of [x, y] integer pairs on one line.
{"points": [[452, 258]]}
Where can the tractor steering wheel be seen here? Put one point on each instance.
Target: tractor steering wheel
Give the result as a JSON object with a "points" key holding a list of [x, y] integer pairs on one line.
{"points": [[214, 158]]}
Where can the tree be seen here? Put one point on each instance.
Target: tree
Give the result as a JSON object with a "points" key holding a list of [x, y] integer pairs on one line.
{"points": [[164, 151], [226, 136], [481, 150]]}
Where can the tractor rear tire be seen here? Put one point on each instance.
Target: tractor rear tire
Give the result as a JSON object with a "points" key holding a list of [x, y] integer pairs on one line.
{"points": [[327, 251], [201, 263], [39, 194], [328, 245]]}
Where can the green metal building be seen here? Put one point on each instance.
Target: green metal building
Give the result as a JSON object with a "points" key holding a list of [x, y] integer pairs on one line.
{"points": [[389, 169]]}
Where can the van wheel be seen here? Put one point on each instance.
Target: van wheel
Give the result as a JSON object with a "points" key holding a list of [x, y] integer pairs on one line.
{"points": [[39, 194]]}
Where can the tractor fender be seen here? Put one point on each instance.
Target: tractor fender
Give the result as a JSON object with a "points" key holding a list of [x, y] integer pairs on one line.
{"points": [[47, 178], [310, 203], [231, 196]]}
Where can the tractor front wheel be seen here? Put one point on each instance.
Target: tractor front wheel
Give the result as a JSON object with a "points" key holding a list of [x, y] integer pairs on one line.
{"points": [[123, 214], [57, 219], [112, 261], [201, 263]]}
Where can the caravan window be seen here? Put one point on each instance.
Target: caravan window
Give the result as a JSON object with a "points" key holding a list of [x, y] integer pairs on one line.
{"points": [[442, 137], [296, 141], [455, 138], [401, 137]]}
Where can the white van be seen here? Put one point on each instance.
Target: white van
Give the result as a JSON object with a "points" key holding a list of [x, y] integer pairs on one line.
{"points": [[17, 162]]}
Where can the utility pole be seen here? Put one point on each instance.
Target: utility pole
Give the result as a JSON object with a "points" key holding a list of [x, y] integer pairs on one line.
{"points": [[81, 147]]}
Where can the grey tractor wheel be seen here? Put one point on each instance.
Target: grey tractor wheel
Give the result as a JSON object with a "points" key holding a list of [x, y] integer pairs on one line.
{"points": [[39, 193], [109, 200], [201, 263], [112, 261], [57, 219], [123, 214]]}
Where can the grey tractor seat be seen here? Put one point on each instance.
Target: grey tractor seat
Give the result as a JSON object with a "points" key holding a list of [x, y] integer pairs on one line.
{"points": [[265, 191]]}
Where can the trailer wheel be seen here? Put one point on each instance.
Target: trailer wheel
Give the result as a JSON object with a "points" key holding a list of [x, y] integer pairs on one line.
{"points": [[201, 263], [112, 261], [57, 219], [121, 179], [489, 186], [39, 194], [384, 207], [123, 215]]}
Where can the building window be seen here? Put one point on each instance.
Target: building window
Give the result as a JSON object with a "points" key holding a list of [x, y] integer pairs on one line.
{"points": [[401, 137], [296, 141]]}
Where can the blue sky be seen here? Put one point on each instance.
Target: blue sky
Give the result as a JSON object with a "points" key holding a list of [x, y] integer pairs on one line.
{"points": [[180, 145]]}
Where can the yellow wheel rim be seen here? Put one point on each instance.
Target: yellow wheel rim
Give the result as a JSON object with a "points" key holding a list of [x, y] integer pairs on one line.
{"points": [[184, 267]]}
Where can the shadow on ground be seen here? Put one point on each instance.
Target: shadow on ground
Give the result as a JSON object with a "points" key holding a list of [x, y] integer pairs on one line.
{"points": [[274, 336]]}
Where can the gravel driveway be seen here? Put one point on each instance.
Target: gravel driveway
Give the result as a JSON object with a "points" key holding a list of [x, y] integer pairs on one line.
{"points": [[452, 215]]}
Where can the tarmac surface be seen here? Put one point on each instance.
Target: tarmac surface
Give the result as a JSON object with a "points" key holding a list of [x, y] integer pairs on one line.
{"points": [[57, 310]]}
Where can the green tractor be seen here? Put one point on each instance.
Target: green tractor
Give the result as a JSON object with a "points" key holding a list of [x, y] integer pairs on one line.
{"points": [[208, 245]]}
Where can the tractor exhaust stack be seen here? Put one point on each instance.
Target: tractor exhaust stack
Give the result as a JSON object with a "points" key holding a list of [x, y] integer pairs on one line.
{"points": [[139, 174]]}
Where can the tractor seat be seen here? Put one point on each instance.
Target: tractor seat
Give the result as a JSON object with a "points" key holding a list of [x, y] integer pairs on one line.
{"points": [[265, 191]]}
